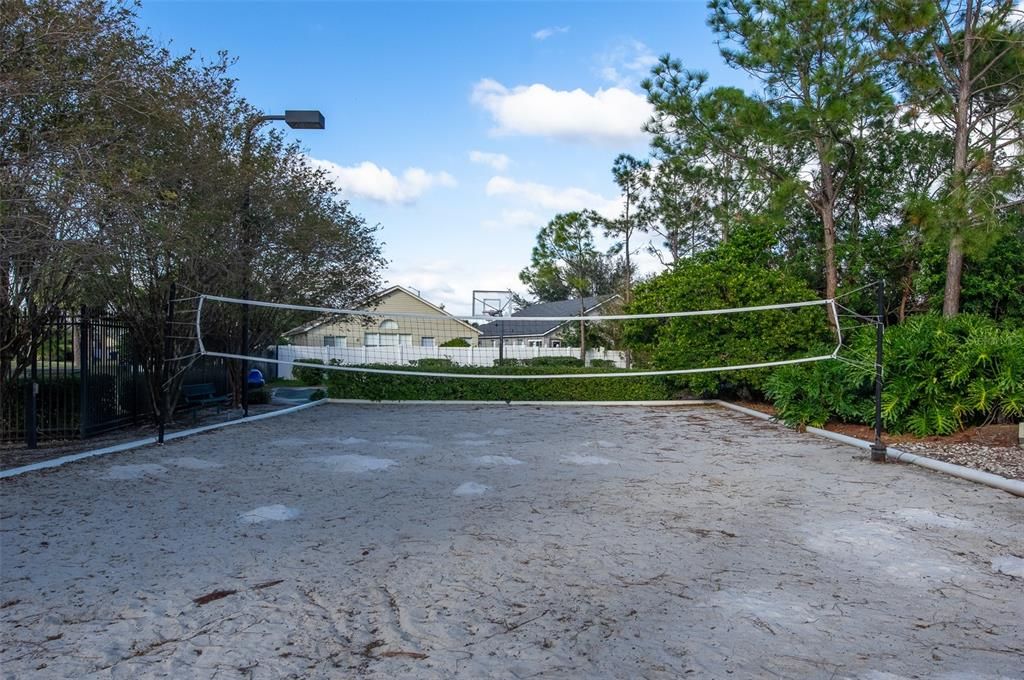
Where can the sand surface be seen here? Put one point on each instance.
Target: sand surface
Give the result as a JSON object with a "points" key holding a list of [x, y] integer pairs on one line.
{"points": [[507, 542]]}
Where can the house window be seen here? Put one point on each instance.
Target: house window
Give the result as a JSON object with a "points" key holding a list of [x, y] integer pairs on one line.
{"points": [[535, 343], [335, 341], [388, 325], [388, 340], [426, 341], [371, 339], [556, 343], [405, 340]]}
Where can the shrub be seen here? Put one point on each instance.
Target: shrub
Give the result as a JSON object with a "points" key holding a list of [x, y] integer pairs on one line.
{"points": [[260, 395], [317, 395], [553, 361], [377, 387], [720, 340], [309, 375], [433, 363], [941, 375], [602, 363], [455, 342]]}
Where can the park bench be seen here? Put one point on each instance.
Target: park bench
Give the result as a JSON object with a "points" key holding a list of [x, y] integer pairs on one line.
{"points": [[202, 395]]}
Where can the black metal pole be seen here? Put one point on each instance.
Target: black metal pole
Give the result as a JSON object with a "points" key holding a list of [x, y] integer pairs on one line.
{"points": [[165, 392], [244, 162], [83, 373], [501, 343], [32, 389], [878, 449]]}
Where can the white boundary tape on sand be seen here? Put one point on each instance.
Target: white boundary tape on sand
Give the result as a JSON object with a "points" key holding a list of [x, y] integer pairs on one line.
{"points": [[1013, 486], [127, 446]]}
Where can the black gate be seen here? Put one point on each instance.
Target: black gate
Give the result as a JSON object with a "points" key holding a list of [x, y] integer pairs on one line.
{"points": [[84, 378]]}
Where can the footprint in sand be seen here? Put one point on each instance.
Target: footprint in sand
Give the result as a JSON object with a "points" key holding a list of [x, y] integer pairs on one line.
{"points": [[497, 460], [471, 489], [586, 460], [354, 463], [269, 513]]}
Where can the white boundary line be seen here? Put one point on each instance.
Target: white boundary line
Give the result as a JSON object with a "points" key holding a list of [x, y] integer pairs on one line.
{"points": [[57, 462], [1011, 486]]}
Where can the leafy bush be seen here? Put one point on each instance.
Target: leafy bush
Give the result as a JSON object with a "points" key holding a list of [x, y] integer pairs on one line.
{"points": [[377, 387], [433, 363], [260, 395], [602, 363], [553, 361], [508, 362], [317, 395], [456, 342], [941, 375], [723, 339], [308, 375]]}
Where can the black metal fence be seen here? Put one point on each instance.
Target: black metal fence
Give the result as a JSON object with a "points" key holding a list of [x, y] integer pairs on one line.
{"points": [[85, 380], [83, 377]]}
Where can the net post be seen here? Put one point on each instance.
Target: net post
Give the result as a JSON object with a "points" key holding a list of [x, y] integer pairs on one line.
{"points": [[878, 448], [83, 371], [165, 396], [245, 362], [32, 389]]}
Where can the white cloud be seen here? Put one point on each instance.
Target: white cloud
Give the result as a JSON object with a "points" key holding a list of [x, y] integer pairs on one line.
{"points": [[498, 161], [553, 198], [627, 63], [514, 220], [545, 33], [368, 180], [613, 115]]}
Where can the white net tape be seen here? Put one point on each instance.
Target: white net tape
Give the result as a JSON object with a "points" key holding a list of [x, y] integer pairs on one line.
{"points": [[390, 339]]}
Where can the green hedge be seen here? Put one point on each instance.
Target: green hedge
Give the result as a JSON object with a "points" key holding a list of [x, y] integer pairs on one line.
{"points": [[377, 387], [307, 375], [941, 375]]}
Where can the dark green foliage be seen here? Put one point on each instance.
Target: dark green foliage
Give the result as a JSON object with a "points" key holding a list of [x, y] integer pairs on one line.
{"points": [[812, 394], [552, 361], [602, 363], [941, 375], [375, 386], [433, 364], [259, 396], [317, 395], [993, 277], [455, 342], [308, 375], [726, 339]]}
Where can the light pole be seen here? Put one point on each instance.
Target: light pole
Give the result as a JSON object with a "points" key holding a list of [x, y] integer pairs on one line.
{"points": [[297, 120]]}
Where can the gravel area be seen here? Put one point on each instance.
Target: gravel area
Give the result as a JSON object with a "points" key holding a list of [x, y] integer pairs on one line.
{"points": [[377, 541], [1006, 461]]}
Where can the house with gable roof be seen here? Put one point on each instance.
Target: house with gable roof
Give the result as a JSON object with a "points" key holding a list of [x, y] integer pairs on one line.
{"points": [[546, 333], [433, 329]]}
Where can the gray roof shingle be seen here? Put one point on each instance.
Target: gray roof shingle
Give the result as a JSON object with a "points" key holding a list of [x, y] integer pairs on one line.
{"points": [[509, 327]]}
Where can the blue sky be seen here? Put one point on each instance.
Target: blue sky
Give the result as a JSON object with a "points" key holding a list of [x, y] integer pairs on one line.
{"points": [[460, 127]]}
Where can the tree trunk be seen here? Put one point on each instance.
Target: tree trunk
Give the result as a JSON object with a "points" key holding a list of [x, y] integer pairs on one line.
{"points": [[954, 270], [831, 274], [955, 257], [826, 207]]}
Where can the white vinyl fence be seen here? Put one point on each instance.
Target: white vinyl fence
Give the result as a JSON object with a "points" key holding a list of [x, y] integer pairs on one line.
{"points": [[403, 355]]}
